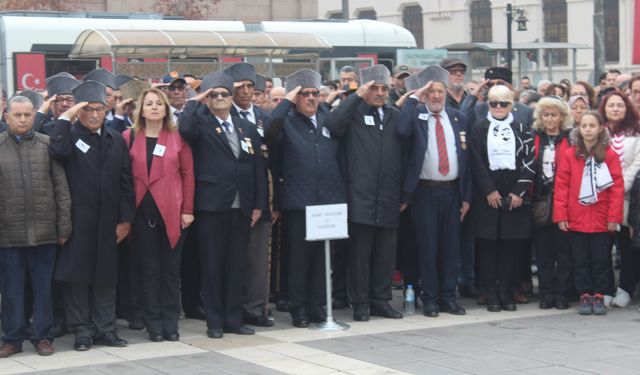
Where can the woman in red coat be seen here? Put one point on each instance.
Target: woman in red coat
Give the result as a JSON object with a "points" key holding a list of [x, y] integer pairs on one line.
{"points": [[163, 178], [588, 203]]}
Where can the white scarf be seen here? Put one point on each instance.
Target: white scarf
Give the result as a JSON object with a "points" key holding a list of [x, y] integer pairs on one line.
{"points": [[595, 179], [501, 144]]}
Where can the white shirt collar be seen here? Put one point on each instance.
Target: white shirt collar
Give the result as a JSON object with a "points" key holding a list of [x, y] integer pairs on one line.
{"points": [[228, 120]]}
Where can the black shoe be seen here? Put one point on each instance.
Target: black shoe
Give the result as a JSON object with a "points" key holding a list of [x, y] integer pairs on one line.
{"points": [[195, 313], [506, 303], [282, 305], [339, 304], [493, 300], [561, 303], [172, 336], [136, 324], [300, 322], [468, 291], [384, 310], [361, 313], [239, 330], [547, 302], [452, 307], [156, 336], [430, 310], [110, 339], [82, 344], [258, 320], [317, 315], [58, 330], [215, 333]]}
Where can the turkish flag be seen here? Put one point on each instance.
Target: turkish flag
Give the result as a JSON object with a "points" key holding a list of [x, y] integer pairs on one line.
{"points": [[30, 71]]}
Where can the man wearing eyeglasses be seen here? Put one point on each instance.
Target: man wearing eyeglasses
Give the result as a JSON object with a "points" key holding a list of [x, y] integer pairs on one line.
{"points": [[96, 160], [175, 86], [311, 175], [59, 90], [230, 197], [455, 89]]}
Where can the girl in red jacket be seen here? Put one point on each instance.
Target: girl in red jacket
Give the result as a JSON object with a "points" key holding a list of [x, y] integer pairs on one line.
{"points": [[588, 203]]}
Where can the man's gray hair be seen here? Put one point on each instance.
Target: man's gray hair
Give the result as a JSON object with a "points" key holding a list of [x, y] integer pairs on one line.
{"points": [[16, 100], [348, 69]]}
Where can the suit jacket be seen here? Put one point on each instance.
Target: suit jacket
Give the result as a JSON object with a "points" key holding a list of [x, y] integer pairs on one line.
{"points": [[219, 174], [410, 125]]}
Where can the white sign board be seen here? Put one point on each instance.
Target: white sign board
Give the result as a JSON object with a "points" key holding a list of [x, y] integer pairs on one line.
{"points": [[327, 222]]}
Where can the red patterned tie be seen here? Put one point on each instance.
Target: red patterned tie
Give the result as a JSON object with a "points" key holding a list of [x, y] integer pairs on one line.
{"points": [[443, 159]]}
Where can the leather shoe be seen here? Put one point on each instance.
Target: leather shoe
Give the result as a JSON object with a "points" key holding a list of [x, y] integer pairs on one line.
{"points": [[518, 297], [45, 348], [452, 307], [156, 336], [385, 311], [317, 315], [339, 304], [239, 330], [468, 291], [172, 336], [258, 320], [7, 350], [215, 333], [282, 305], [195, 313], [110, 339], [82, 344], [546, 303], [300, 322], [430, 310], [136, 324], [562, 303], [361, 313]]}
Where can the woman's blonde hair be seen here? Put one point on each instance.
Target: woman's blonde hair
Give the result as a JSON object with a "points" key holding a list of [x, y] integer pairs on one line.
{"points": [[139, 122], [501, 92], [556, 103]]}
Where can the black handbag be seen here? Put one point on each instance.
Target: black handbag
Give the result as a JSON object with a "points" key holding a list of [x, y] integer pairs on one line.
{"points": [[542, 211]]}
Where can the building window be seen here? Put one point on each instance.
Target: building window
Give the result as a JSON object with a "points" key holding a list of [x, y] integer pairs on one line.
{"points": [[481, 31], [555, 29], [611, 31], [367, 15], [412, 21]]}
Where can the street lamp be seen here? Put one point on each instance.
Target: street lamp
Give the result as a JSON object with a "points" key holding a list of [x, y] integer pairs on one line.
{"points": [[521, 20]]}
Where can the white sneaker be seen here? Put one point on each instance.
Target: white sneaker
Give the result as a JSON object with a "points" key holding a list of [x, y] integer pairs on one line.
{"points": [[622, 298], [607, 300]]}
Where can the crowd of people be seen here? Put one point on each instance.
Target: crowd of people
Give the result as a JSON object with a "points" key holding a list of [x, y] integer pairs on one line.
{"points": [[123, 199]]}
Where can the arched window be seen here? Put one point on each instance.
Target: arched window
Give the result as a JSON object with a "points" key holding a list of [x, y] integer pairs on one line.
{"points": [[481, 31], [555, 28], [367, 15], [412, 21], [611, 31]]}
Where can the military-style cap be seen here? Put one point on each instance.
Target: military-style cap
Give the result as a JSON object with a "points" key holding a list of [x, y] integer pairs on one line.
{"points": [[121, 80], [171, 77], [498, 72], [61, 74], [36, 98], [103, 76], [379, 74], [90, 91], [306, 78], [133, 89], [61, 84], [450, 62], [261, 83], [434, 73], [401, 71], [217, 79], [241, 72], [413, 82]]}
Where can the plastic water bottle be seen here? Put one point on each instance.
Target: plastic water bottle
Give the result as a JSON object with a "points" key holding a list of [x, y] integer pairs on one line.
{"points": [[409, 300]]}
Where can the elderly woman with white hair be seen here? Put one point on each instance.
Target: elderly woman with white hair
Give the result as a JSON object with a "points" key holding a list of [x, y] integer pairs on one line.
{"points": [[552, 124], [502, 162]]}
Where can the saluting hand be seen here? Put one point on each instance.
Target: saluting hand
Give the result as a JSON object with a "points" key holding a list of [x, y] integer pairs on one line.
{"points": [[44, 108], [291, 96], [121, 105], [72, 112], [423, 89], [362, 90], [201, 95]]}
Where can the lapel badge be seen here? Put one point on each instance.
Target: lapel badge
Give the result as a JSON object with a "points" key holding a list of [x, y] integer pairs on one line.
{"points": [[219, 130], [240, 130], [455, 119]]}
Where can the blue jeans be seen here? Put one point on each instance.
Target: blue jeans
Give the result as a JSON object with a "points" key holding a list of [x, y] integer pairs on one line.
{"points": [[17, 263]]}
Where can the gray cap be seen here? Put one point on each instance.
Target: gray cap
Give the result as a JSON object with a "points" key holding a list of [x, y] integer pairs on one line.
{"points": [[62, 74], [306, 78], [434, 73], [217, 79], [61, 84], [413, 82], [133, 89], [90, 91], [380, 74], [36, 98], [450, 62], [121, 80], [261, 83], [103, 76], [241, 72]]}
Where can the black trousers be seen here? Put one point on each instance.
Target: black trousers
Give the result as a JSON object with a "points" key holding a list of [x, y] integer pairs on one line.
{"points": [[190, 280], [629, 262], [339, 268], [553, 257], [128, 300], [372, 259], [90, 309], [222, 243], [436, 219], [306, 265], [496, 260], [159, 276], [407, 252], [279, 285], [591, 261]]}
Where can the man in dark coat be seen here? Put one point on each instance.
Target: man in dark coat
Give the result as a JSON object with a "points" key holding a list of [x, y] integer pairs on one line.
{"points": [[230, 198], [59, 90], [98, 168], [311, 175], [439, 178], [375, 169]]}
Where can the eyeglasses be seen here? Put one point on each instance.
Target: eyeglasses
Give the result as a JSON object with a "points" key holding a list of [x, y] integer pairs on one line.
{"points": [[96, 110], [176, 88], [306, 94], [63, 99], [457, 71], [215, 95], [502, 104]]}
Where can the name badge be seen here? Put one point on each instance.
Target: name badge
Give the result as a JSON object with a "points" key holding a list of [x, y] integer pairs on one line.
{"points": [[159, 150], [261, 132], [368, 120], [326, 132], [245, 146], [423, 116], [82, 146]]}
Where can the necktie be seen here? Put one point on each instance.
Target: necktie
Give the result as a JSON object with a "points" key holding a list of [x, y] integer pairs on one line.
{"points": [[244, 114], [443, 159], [227, 127], [177, 114]]}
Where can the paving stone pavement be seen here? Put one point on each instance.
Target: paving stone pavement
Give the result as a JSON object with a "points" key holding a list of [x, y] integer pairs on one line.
{"points": [[528, 341]]}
